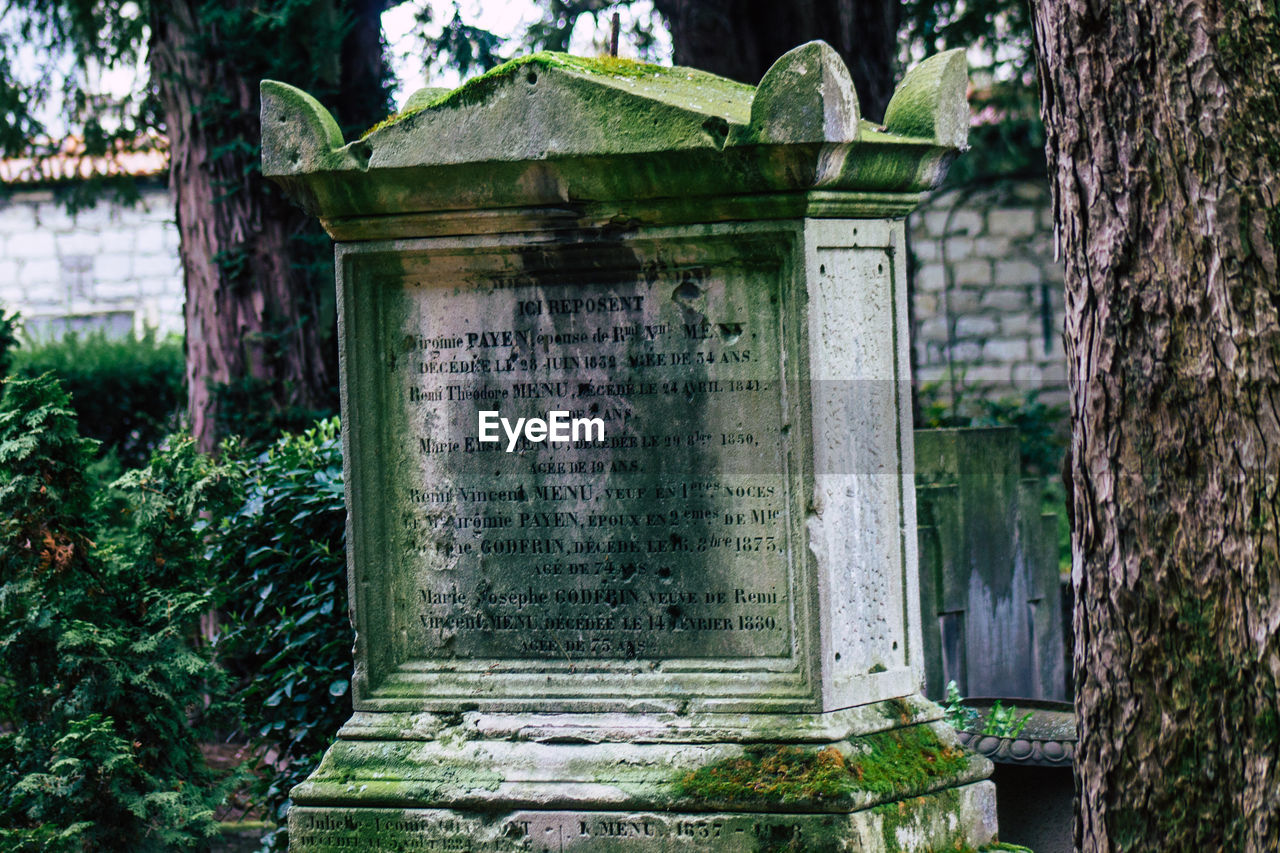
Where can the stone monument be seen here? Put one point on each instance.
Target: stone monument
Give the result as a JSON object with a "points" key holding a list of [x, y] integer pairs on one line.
{"points": [[629, 463]]}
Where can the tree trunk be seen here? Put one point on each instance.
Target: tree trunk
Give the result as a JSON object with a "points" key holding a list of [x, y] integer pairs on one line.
{"points": [[740, 39], [261, 352], [1161, 121]]}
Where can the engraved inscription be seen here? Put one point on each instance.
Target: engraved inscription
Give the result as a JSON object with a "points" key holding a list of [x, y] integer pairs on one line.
{"points": [[320, 831], [664, 538]]}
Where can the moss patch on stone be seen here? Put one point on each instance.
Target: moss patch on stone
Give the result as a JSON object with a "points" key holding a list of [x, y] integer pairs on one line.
{"points": [[905, 822], [902, 762], [898, 710], [478, 88], [892, 764], [785, 774]]}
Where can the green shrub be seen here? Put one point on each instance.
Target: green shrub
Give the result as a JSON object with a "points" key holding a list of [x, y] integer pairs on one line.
{"points": [[103, 695], [284, 552], [259, 412], [127, 393]]}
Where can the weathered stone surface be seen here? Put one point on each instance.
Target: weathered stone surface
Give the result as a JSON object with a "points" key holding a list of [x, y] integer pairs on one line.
{"points": [[685, 538], [927, 822], [931, 101], [703, 619], [807, 96], [606, 138], [989, 569]]}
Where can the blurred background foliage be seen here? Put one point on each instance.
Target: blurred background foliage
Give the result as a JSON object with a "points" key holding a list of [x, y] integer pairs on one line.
{"points": [[1007, 137], [127, 393]]}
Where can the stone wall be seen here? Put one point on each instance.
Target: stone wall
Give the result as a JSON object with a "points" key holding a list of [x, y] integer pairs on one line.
{"points": [[988, 294], [108, 267]]}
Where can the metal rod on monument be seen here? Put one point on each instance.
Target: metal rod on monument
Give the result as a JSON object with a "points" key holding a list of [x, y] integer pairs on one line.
{"points": [[613, 34]]}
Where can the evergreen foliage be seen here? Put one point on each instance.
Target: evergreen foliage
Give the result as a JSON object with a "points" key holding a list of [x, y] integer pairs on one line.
{"points": [[103, 696]]}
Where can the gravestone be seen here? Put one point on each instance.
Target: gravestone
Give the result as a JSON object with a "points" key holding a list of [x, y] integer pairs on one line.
{"points": [[989, 576], [692, 623]]}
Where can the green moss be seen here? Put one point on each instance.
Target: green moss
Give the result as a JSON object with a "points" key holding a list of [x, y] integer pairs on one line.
{"points": [[893, 764], [477, 89], [902, 762], [615, 66], [774, 774], [898, 710]]}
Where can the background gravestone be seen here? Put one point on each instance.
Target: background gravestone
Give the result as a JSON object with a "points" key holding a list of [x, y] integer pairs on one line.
{"points": [[701, 632], [989, 579]]}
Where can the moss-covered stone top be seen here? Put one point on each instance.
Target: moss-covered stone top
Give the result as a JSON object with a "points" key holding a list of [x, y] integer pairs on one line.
{"points": [[679, 87], [550, 128]]}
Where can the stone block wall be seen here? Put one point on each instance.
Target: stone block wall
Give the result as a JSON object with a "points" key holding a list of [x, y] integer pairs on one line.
{"points": [[988, 294], [108, 267]]}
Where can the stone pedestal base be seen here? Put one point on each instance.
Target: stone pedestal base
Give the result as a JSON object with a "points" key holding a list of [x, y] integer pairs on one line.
{"points": [[954, 819], [880, 779]]}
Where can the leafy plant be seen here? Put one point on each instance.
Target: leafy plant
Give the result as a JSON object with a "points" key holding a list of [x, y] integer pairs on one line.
{"points": [[283, 550], [999, 722], [103, 695], [957, 715], [1004, 722]]}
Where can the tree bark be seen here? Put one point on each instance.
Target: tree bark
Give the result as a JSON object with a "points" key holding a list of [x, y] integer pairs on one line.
{"points": [[740, 39], [260, 341], [1162, 149]]}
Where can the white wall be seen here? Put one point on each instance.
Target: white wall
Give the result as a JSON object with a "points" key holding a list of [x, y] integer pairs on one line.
{"points": [[107, 267]]}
